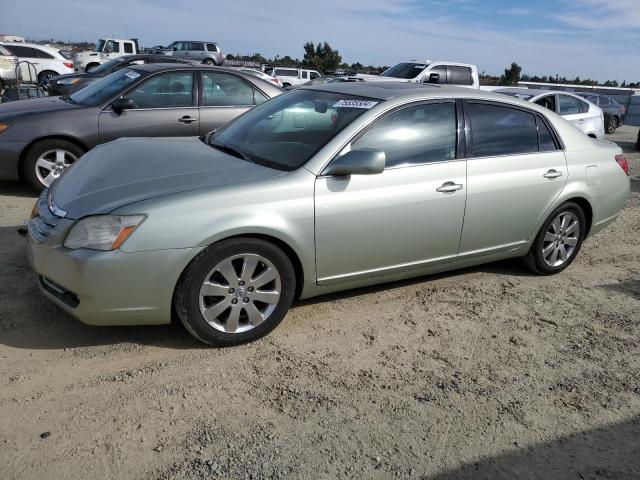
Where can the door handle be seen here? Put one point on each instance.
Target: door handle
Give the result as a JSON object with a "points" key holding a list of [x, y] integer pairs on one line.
{"points": [[448, 187], [552, 174], [580, 121], [187, 119]]}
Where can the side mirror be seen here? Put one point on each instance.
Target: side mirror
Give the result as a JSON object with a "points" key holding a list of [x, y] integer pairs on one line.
{"points": [[121, 104], [357, 162], [434, 78]]}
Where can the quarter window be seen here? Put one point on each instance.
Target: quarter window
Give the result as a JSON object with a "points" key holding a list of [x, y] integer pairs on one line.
{"points": [[284, 72], [212, 47], [438, 74], [168, 90], [221, 90], [414, 135], [498, 130]]}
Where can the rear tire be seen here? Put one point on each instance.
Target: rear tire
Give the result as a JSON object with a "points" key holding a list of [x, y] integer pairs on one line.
{"points": [[45, 77], [558, 241], [219, 297], [208, 61], [612, 124], [90, 67], [41, 159]]}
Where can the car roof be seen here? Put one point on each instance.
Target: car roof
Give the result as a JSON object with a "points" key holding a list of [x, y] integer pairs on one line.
{"points": [[195, 41], [30, 45], [386, 90]]}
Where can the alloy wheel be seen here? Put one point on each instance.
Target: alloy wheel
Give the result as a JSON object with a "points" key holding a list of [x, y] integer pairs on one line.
{"points": [[612, 125], [51, 164], [561, 239], [240, 293]]}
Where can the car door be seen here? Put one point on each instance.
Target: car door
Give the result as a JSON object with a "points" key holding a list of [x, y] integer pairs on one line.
{"points": [[223, 97], [515, 170], [165, 106], [407, 218], [569, 107], [196, 51]]}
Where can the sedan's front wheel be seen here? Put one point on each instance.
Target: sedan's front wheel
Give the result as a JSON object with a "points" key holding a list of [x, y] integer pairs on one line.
{"points": [[558, 241], [235, 291], [46, 160]]}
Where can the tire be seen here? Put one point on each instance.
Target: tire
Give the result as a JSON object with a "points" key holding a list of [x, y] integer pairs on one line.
{"points": [[90, 67], [44, 78], [208, 61], [285, 85], [35, 166], [218, 329], [612, 124], [540, 257]]}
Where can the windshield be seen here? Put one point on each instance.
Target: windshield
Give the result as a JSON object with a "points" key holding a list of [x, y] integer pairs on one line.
{"points": [[105, 88], [107, 66], [405, 70], [520, 95], [284, 133], [99, 46]]}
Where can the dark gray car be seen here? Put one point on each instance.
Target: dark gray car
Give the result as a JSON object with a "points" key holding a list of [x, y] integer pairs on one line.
{"points": [[40, 138], [613, 111]]}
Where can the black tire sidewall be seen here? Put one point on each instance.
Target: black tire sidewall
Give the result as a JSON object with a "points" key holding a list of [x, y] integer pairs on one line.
{"points": [[609, 129], [536, 249], [37, 149], [187, 299]]}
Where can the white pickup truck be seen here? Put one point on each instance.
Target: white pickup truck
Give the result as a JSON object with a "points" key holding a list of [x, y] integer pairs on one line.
{"points": [[106, 49], [430, 71]]}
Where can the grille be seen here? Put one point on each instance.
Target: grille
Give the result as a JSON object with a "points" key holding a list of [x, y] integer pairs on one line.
{"points": [[44, 222]]}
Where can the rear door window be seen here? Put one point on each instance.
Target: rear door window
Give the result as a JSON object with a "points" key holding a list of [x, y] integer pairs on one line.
{"points": [[569, 105], [212, 47], [414, 135], [459, 75], [501, 130], [546, 141], [197, 47], [437, 74], [548, 102], [285, 72], [222, 90]]}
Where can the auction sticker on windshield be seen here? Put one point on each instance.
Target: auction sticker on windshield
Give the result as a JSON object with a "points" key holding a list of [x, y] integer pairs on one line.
{"points": [[366, 104], [132, 75]]}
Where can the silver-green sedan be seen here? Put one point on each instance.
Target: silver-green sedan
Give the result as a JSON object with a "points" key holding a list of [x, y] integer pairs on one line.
{"points": [[323, 189]]}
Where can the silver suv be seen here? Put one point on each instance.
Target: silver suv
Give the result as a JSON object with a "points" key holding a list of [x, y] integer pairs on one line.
{"points": [[208, 53]]}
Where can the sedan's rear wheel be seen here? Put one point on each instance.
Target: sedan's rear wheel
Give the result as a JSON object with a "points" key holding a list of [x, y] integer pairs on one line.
{"points": [[47, 160], [612, 124], [558, 241], [235, 291], [208, 61]]}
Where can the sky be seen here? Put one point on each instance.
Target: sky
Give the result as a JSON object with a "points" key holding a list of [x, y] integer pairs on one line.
{"points": [[599, 39]]}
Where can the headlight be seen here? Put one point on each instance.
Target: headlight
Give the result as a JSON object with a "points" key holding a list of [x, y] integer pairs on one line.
{"points": [[102, 232], [4, 126], [68, 81]]}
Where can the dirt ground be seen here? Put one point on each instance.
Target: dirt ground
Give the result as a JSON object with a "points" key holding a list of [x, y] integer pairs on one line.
{"points": [[488, 372]]}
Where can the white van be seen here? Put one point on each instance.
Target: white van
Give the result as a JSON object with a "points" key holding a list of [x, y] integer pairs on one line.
{"points": [[292, 76], [430, 71]]}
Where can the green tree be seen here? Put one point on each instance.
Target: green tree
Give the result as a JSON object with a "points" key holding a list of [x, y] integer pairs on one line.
{"points": [[511, 75], [321, 57]]}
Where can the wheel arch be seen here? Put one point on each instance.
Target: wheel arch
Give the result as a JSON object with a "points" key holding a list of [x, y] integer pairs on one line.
{"points": [[586, 207], [25, 150]]}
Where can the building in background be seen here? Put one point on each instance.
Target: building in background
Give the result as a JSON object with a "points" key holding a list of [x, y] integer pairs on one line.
{"points": [[11, 38]]}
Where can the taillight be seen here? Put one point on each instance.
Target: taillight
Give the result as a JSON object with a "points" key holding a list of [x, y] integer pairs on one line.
{"points": [[623, 163], [68, 64]]}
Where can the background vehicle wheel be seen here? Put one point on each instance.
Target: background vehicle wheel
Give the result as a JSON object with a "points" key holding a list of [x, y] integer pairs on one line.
{"points": [[235, 291], [91, 66], [285, 85], [558, 241], [612, 124], [46, 160], [45, 77], [208, 61]]}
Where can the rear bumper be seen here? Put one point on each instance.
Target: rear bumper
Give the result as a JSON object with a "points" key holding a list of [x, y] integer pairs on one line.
{"points": [[10, 159], [109, 288]]}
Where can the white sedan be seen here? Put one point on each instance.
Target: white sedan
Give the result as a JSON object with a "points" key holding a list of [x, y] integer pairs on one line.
{"points": [[576, 110]]}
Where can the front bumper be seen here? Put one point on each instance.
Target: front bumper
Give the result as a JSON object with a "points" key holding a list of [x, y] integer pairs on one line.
{"points": [[10, 158], [107, 288]]}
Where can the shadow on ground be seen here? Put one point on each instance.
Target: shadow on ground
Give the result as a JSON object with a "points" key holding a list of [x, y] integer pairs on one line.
{"points": [[611, 452]]}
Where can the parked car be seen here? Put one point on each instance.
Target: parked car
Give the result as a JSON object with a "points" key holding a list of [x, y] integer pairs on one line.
{"points": [[106, 49], [292, 76], [613, 111], [579, 112], [208, 53], [8, 63], [40, 138], [67, 84], [226, 231], [436, 72], [262, 75], [328, 79], [48, 61]]}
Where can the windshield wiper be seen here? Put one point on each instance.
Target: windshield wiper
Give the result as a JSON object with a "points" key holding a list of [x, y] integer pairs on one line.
{"points": [[230, 151]]}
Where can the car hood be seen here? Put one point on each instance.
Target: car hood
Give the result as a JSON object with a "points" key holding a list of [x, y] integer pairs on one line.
{"points": [[130, 170], [35, 105], [81, 76]]}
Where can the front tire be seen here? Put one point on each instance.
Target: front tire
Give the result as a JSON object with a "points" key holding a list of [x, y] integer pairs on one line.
{"points": [[235, 291], [612, 124], [46, 160], [558, 241]]}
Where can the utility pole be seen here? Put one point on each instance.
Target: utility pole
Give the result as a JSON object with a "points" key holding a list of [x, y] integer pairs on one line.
{"points": [[126, 37]]}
